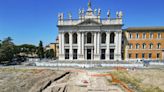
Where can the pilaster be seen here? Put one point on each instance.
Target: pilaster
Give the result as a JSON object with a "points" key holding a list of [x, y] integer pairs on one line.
{"points": [[79, 46], [107, 46], [95, 44], [61, 45], [82, 47], [70, 44], [117, 55], [97, 56]]}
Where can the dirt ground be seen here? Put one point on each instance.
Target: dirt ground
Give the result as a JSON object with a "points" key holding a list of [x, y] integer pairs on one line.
{"points": [[154, 77], [24, 80], [142, 80], [78, 80], [44, 80]]}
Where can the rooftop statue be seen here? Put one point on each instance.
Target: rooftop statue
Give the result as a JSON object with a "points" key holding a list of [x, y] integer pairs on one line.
{"points": [[95, 12], [59, 16], [120, 14], [69, 15], [117, 14], [82, 11], [108, 13], [99, 12], [89, 4]]}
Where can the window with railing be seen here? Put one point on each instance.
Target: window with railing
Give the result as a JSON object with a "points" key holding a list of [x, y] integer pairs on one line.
{"points": [[136, 55], [112, 54], [150, 55], [66, 53], [130, 46], [158, 46], [150, 46], [102, 53], [137, 35], [137, 46], [143, 55], [144, 35], [158, 55], [159, 35], [130, 55], [75, 54], [143, 46], [151, 35], [130, 36]]}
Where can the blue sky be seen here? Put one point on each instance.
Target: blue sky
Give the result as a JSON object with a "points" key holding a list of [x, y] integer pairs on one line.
{"points": [[29, 21]]}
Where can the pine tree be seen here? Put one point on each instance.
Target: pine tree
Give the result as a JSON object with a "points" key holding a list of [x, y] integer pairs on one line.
{"points": [[7, 50], [40, 50]]}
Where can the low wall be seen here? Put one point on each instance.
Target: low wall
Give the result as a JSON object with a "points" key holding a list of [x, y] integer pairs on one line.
{"points": [[48, 64]]}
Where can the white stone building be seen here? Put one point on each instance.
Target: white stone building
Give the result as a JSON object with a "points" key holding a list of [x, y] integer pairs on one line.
{"points": [[90, 37]]}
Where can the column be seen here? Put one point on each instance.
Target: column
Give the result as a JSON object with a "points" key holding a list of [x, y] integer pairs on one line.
{"points": [[60, 45], [120, 44], [98, 43], [95, 44], [82, 47], [107, 46], [116, 46], [63, 49], [70, 44], [92, 54], [79, 46], [97, 56]]}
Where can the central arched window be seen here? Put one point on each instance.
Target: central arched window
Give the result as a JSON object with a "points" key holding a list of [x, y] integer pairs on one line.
{"points": [[112, 36], [66, 38], [89, 37], [75, 38], [103, 38]]}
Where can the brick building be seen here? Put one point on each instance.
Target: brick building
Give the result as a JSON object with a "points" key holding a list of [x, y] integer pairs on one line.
{"points": [[144, 43]]}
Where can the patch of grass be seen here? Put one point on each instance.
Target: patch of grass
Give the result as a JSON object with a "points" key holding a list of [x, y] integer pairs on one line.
{"points": [[134, 83]]}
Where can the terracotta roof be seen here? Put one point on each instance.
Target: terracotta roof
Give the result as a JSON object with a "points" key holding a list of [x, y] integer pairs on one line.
{"points": [[145, 28]]}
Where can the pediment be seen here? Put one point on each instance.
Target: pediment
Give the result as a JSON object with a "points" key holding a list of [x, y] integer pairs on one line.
{"points": [[89, 22]]}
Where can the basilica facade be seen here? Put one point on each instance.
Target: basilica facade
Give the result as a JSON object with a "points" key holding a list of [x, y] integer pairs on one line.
{"points": [[90, 37]]}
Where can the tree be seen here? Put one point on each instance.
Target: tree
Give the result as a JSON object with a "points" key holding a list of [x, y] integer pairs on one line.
{"points": [[49, 53], [27, 49], [0, 43], [7, 50], [40, 51]]}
